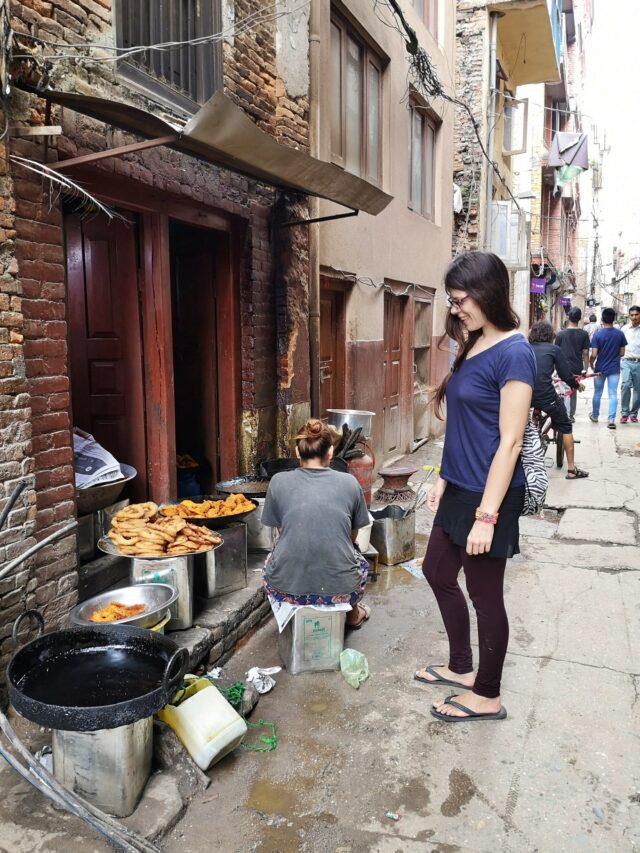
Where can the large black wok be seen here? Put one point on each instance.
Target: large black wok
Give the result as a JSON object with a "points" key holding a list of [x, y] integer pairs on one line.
{"points": [[88, 678]]}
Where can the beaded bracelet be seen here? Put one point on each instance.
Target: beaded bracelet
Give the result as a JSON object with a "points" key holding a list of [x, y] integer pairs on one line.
{"points": [[486, 517]]}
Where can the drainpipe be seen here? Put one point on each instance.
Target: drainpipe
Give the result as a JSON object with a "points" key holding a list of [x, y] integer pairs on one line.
{"points": [[315, 26], [491, 121]]}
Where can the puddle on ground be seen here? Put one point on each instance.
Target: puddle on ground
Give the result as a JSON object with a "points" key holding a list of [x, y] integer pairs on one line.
{"points": [[393, 576], [461, 790], [272, 798], [316, 707]]}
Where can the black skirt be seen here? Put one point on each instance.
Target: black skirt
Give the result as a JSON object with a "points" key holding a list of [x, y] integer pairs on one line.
{"points": [[456, 516]]}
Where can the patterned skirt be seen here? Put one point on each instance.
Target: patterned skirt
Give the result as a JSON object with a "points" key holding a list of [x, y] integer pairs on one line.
{"points": [[315, 598]]}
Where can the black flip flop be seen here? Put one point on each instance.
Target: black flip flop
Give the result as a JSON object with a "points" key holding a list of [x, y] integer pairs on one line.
{"points": [[438, 679], [576, 474], [471, 717]]}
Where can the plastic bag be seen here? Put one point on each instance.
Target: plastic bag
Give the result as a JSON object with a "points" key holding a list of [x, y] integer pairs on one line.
{"points": [[354, 667], [261, 678]]}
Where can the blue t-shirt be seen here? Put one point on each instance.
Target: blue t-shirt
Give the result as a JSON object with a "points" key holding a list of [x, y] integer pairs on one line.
{"points": [[608, 342], [472, 433]]}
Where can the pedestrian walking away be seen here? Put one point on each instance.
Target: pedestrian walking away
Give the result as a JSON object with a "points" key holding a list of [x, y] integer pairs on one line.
{"points": [[630, 364], [592, 326], [574, 343], [550, 358], [479, 494], [607, 348]]}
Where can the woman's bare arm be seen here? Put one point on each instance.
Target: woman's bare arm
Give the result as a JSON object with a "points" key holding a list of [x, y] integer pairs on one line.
{"points": [[515, 401]]}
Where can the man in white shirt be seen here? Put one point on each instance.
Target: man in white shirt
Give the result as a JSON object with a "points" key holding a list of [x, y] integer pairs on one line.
{"points": [[630, 365], [591, 326]]}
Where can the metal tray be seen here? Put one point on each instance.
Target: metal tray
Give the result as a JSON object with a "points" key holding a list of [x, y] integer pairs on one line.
{"points": [[248, 485], [98, 497], [156, 597], [213, 523], [107, 547]]}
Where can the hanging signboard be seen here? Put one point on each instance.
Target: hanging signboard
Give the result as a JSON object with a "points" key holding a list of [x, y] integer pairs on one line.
{"points": [[537, 285]]}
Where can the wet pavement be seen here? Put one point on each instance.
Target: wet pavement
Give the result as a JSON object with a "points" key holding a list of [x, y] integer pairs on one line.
{"points": [[370, 769]]}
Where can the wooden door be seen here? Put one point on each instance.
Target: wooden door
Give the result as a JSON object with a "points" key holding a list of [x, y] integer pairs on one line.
{"points": [[331, 349], [105, 339], [392, 369], [422, 333]]}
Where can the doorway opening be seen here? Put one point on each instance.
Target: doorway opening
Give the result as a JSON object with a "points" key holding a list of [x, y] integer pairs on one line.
{"points": [[194, 313]]}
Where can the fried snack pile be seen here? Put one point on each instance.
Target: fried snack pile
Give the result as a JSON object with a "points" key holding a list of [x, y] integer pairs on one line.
{"points": [[138, 532], [232, 505], [114, 610]]}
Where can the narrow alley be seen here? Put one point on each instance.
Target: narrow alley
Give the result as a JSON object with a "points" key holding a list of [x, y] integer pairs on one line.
{"points": [[370, 770]]}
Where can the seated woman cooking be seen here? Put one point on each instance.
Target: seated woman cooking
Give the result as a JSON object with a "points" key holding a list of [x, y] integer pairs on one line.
{"points": [[318, 512]]}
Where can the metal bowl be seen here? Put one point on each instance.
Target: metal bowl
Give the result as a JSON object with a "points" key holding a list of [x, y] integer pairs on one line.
{"points": [[353, 418], [98, 497], [156, 597], [212, 523]]}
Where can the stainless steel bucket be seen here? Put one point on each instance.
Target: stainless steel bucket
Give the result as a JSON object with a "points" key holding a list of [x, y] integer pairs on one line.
{"points": [[178, 573], [394, 535], [259, 536], [108, 767]]}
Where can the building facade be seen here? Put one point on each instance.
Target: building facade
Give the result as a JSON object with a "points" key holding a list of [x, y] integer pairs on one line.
{"points": [[173, 321], [381, 302], [501, 46]]}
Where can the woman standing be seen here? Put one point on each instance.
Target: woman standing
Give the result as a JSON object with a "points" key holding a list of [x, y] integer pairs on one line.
{"points": [[479, 494], [318, 512]]}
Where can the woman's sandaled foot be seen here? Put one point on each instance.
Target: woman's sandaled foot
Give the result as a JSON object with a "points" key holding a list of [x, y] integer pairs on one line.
{"points": [[468, 706], [360, 613], [576, 474], [443, 675]]}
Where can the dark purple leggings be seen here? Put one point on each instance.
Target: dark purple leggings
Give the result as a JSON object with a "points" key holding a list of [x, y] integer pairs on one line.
{"points": [[485, 579]]}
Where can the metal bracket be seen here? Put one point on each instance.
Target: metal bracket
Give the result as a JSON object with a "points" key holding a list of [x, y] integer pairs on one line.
{"points": [[114, 152], [318, 219]]}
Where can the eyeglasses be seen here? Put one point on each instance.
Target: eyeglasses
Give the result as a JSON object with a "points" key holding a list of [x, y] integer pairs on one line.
{"points": [[456, 303]]}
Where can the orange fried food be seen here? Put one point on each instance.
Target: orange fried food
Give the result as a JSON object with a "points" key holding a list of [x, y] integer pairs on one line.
{"points": [[232, 505], [114, 610]]}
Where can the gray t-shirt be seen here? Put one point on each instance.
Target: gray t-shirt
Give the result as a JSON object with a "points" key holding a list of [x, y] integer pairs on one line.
{"points": [[316, 509]]}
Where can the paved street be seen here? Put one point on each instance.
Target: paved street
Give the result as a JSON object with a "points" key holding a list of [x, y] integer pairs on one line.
{"points": [[561, 773]]}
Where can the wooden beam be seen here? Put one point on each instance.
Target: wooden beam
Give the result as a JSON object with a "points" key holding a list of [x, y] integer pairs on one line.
{"points": [[36, 130], [114, 152]]}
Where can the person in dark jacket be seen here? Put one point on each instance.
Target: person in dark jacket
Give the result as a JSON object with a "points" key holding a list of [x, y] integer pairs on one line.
{"points": [[550, 359]]}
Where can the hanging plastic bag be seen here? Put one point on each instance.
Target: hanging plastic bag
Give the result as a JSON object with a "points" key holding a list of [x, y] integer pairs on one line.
{"points": [[354, 667]]}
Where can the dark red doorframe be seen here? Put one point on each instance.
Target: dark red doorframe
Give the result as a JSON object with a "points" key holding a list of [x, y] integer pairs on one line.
{"points": [[155, 295]]}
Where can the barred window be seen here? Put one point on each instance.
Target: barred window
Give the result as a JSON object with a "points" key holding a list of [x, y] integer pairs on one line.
{"points": [[183, 74]]}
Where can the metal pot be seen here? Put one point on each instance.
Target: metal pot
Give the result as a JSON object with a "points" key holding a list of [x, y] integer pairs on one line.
{"points": [[85, 679], [352, 418], [98, 497]]}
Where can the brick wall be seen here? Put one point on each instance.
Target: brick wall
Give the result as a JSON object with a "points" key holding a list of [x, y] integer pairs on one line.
{"points": [[468, 160], [34, 395]]}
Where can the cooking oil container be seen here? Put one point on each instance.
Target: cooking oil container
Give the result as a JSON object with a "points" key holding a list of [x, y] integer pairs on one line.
{"points": [[206, 724], [312, 640], [394, 534]]}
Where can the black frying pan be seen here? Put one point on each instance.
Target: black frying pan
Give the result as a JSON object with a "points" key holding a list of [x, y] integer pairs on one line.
{"points": [[89, 678]]}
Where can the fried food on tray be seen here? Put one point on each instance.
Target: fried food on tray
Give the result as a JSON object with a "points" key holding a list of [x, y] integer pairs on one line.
{"points": [[232, 505], [141, 533], [114, 610]]}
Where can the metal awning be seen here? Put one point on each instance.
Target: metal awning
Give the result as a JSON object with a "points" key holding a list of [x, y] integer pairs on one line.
{"points": [[223, 134]]}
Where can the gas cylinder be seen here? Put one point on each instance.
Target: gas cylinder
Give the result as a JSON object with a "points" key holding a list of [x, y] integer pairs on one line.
{"points": [[362, 469]]}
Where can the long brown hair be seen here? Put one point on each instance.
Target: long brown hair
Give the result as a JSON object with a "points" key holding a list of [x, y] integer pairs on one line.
{"points": [[484, 277]]}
